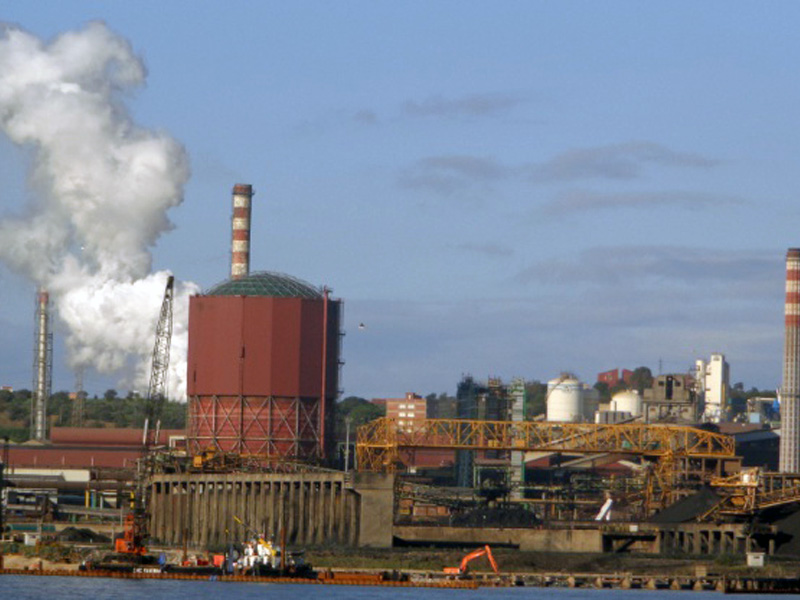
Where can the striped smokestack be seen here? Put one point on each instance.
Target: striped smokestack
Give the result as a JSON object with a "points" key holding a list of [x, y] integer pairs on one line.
{"points": [[240, 234], [790, 391]]}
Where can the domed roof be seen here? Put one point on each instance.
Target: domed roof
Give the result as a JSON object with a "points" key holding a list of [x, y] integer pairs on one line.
{"points": [[266, 283], [625, 394]]}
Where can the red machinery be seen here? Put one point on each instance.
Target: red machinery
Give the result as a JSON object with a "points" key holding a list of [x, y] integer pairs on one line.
{"points": [[463, 568], [132, 540]]}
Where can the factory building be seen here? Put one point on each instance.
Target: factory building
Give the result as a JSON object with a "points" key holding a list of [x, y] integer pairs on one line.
{"points": [[408, 412], [263, 360], [624, 406], [613, 377], [82, 472], [712, 381], [671, 399], [490, 401], [263, 374], [484, 402]]}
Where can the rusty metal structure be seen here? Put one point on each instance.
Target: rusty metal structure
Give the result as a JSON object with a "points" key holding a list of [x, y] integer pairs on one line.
{"points": [[752, 490], [263, 368], [78, 410], [677, 458], [381, 444]]}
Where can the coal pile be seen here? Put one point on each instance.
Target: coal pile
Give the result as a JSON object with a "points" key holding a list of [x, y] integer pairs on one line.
{"points": [[513, 516], [81, 536], [689, 508], [787, 521]]}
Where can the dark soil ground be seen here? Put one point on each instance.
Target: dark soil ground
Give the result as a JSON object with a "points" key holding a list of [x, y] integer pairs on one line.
{"points": [[517, 561], [509, 560]]}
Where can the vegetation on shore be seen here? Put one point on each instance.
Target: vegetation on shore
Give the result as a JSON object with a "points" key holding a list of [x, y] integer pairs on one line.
{"points": [[109, 410]]}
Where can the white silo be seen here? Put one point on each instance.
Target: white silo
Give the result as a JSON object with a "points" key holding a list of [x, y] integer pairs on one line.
{"points": [[628, 401], [565, 400]]}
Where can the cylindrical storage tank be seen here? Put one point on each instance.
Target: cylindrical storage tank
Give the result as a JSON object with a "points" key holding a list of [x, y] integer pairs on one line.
{"points": [[263, 368], [565, 400], [627, 401]]}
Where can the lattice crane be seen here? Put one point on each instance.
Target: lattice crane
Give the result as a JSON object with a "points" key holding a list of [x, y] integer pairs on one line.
{"points": [[136, 522], [157, 392]]}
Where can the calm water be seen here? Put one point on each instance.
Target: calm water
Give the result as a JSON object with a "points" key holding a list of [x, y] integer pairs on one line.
{"points": [[19, 587]]}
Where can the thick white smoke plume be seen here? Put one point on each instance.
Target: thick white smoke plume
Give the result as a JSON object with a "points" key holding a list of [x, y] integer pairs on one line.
{"points": [[102, 187]]}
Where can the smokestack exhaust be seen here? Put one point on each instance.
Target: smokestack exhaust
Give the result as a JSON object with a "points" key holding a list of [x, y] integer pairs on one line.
{"points": [[240, 231], [790, 390]]}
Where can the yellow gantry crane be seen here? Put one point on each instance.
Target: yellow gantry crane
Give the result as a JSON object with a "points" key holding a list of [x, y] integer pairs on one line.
{"points": [[677, 453], [750, 491], [380, 442]]}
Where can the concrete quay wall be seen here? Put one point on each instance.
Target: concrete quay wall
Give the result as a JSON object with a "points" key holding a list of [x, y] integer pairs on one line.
{"points": [[357, 510], [647, 538], [550, 540], [314, 508]]}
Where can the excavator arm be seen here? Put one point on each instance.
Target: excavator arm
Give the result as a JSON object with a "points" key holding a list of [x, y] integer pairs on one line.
{"points": [[463, 568]]}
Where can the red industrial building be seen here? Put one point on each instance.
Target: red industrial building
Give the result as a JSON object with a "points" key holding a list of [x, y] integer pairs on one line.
{"points": [[409, 412], [612, 378], [88, 447], [263, 361]]}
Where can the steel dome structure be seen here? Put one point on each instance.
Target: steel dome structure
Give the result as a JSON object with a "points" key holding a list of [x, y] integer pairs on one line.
{"points": [[266, 283]]}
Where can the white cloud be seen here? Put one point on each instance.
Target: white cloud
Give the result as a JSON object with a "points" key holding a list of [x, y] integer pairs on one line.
{"points": [[585, 200], [636, 265], [477, 105], [626, 160], [451, 173]]}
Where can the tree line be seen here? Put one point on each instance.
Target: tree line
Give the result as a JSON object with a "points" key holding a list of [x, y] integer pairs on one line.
{"points": [[113, 410], [108, 410]]}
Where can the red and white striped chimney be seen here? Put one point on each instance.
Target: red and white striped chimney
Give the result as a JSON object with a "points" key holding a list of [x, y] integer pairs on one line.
{"points": [[240, 231], [790, 390]]}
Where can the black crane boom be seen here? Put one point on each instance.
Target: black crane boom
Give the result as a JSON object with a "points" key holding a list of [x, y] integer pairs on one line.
{"points": [[136, 523], [157, 392]]}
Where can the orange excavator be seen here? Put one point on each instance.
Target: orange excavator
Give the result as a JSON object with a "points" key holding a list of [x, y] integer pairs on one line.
{"points": [[463, 568]]}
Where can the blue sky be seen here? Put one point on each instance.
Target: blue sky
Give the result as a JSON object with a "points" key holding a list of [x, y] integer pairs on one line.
{"points": [[505, 189]]}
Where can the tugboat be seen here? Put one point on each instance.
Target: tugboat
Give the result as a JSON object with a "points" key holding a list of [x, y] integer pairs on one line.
{"points": [[261, 558]]}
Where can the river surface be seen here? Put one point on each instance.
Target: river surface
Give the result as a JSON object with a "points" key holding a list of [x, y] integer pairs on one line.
{"points": [[23, 587]]}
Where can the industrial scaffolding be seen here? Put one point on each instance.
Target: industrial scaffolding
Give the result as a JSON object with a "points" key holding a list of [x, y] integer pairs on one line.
{"points": [[673, 460]]}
